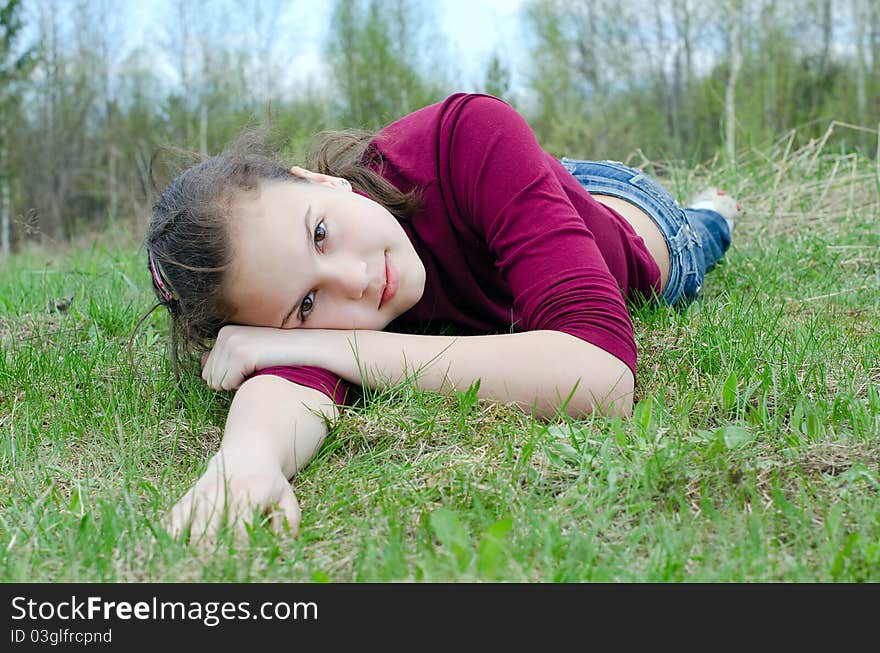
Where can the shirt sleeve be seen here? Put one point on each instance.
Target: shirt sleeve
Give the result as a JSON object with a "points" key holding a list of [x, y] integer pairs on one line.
{"points": [[316, 378], [508, 185]]}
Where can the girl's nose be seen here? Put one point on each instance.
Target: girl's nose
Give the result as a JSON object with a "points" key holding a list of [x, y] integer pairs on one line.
{"points": [[352, 278]]}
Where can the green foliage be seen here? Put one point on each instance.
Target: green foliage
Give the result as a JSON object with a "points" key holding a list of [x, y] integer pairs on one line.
{"points": [[497, 81], [374, 51], [13, 66], [607, 79]]}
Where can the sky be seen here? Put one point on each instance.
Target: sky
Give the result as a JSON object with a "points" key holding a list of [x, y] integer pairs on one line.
{"points": [[474, 30]]}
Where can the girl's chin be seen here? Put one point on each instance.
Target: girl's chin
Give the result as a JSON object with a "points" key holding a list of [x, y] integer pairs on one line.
{"points": [[381, 324]]}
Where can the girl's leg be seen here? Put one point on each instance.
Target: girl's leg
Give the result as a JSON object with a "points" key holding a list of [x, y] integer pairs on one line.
{"points": [[714, 234], [712, 215]]}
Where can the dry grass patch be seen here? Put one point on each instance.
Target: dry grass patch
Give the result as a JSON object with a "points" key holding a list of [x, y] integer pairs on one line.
{"points": [[38, 329], [831, 459], [803, 188]]}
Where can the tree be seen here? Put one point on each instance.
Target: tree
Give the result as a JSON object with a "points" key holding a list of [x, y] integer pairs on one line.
{"points": [[14, 68], [560, 87], [734, 17], [497, 78], [375, 52], [57, 152], [860, 18]]}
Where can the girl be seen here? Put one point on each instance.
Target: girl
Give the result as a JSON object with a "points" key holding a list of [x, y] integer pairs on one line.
{"points": [[296, 283]]}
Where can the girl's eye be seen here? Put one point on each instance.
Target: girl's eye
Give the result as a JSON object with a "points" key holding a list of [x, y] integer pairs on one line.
{"points": [[306, 306], [320, 234]]}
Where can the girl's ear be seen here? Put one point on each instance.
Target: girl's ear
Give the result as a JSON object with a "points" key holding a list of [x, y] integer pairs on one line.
{"points": [[324, 180]]}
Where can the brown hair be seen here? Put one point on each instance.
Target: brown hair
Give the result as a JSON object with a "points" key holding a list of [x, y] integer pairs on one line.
{"points": [[188, 236], [347, 154]]}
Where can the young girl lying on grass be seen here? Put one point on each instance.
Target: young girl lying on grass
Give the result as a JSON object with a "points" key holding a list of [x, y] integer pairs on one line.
{"points": [[294, 283]]}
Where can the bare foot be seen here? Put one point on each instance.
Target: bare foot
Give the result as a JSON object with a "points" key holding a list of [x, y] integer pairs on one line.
{"points": [[720, 202]]}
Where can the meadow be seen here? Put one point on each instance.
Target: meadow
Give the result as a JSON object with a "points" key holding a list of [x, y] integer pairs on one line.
{"points": [[753, 453]]}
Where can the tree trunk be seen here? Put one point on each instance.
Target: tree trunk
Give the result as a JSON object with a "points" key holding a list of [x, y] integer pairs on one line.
{"points": [[875, 51], [203, 128], [730, 91], [827, 33], [113, 193], [5, 203], [686, 20], [664, 96], [860, 17], [6, 208]]}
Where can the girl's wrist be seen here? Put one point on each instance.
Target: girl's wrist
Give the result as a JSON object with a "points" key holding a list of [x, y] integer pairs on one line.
{"points": [[250, 454], [289, 347], [327, 348]]}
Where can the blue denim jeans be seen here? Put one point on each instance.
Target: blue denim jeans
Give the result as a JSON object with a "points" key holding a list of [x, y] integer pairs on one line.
{"points": [[697, 238]]}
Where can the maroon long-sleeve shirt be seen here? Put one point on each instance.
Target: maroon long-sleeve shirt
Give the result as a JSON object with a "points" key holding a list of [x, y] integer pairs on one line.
{"points": [[509, 239]]}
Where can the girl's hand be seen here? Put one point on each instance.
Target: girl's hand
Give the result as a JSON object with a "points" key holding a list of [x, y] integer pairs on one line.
{"points": [[229, 493], [239, 351]]}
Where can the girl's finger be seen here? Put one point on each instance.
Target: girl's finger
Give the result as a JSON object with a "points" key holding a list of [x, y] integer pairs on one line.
{"points": [[209, 512], [171, 524], [204, 522], [206, 372], [180, 516], [287, 510]]}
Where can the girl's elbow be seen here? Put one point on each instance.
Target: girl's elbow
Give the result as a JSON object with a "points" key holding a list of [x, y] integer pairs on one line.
{"points": [[621, 406], [611, 396], [618, 400]]}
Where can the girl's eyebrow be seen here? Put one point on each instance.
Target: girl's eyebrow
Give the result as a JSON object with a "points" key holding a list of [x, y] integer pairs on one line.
{"points": [[308, 238]]}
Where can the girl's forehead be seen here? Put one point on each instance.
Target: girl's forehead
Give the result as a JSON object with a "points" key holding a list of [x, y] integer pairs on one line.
{"points": [[247, 206], [292, 197], [263, 220]]}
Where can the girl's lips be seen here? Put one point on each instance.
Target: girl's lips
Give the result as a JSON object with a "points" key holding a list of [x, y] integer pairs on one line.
{"points": [[391, 281]]}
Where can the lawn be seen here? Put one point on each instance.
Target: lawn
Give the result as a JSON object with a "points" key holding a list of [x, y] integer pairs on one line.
{"points": [[752, 454]]}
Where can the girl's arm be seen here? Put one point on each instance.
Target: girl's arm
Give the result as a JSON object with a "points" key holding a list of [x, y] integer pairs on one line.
{"points": [[535, 369], [273, 429], [539, 369]]}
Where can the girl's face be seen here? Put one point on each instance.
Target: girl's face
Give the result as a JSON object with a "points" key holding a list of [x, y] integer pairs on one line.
{"points": [[316, 255]]}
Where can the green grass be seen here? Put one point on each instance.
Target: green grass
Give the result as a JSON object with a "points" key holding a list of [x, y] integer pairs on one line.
{"points": [[752, 454]]}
